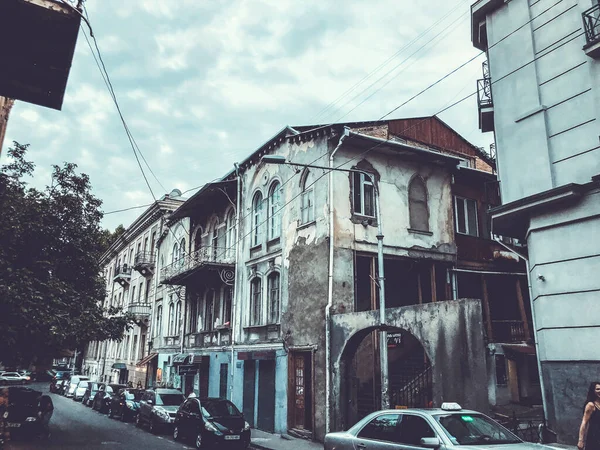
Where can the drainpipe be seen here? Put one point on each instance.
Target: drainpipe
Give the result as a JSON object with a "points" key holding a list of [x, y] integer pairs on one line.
{"points": [[234, 302], [330, 289], [535, 333]]}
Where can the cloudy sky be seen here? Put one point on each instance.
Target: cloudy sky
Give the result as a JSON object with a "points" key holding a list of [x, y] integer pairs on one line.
{"points": [[203, 83]]}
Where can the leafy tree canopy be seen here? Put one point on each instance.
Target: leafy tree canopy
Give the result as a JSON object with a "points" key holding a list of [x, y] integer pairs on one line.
{"points": [[108, 237], [51, 284]]}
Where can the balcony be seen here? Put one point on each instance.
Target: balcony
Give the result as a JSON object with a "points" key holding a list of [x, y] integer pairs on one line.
{"points": [[485, 103], [123, 275], [210, 261], [213, 338], [141, 311], [591, 25], [144, 263], [508, 331]]}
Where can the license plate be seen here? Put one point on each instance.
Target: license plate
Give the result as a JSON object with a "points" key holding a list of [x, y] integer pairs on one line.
{"points": [[14, 425], [232, 437]]}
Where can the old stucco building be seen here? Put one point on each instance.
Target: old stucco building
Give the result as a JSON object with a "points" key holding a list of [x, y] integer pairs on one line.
{"points": [[540, 95]]}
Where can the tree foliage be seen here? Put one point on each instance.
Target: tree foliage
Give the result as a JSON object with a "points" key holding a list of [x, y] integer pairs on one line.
{"points": [[51, 284], [108, 237]]}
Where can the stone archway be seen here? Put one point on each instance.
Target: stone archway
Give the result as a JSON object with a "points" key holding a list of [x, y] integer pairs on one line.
{"points": [[451, 334]]}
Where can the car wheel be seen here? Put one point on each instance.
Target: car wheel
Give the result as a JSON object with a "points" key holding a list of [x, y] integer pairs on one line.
{"points": [[199, 440], [153, 428], [110, 413], [176, 433]]}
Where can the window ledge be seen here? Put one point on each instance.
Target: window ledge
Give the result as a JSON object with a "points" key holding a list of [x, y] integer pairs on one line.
{"points": [[255, 247], [254, 327], [274, 241], [361, 219], [423, 232], [469, 235], [306, 225]]}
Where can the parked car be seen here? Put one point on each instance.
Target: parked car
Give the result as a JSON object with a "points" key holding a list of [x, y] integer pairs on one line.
{"points": [[73, 382], [158, 408], [446, 428], [211, 422], [90, 393], [58, 376], [25, 374], [102, 398], [21, 414], [80, 390], [61, 386], [12, 378], [125, 404]]}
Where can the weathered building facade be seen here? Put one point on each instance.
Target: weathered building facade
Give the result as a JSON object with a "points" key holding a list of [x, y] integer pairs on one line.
{"points": [[540, 97]]}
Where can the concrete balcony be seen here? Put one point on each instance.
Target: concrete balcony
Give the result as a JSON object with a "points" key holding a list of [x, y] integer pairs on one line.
{"points": [[144, 263], [140, 311], [591, 25], [209, 262], [123, 275], [212, 338]]}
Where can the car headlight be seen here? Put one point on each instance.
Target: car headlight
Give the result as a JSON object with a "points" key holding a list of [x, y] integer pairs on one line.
{"points": [[31, 419], [246, 426], [130, 405], [161, 413], [210, 427]]}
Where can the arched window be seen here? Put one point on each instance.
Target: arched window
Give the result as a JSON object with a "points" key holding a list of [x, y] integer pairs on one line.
{"points": [[182, 248], [230, 239], [209, 310], [158, 326], [198, 239], [274, 212], [175, 254], [214, 241], [256, 301], [417, 205], [307, 199], [171, 321], [132, 299], [257, 218], [177, 318], [274, 298]]}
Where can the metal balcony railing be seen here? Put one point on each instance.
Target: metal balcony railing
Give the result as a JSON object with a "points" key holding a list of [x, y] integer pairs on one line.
{"points": [[143, 259], [123, 271], [199, 258], [140, 310], [484, 93], [591, 24], [508, 331]]}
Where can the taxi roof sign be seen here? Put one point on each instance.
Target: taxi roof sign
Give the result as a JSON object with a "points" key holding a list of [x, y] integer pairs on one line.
{"points": [[451, 406]]}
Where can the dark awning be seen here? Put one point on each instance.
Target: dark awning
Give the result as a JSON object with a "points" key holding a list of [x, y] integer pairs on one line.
{"points": [[145, 360], [181, 358], [203, 200], [119, 366]]}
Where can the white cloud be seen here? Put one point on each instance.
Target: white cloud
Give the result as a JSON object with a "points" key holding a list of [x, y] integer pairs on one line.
{"points": [[29, 115]]}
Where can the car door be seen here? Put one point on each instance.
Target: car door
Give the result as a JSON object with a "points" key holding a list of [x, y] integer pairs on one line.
{"points": [[380, 433], [98, 397], [194, 419], [411, 429], [183, 418]]}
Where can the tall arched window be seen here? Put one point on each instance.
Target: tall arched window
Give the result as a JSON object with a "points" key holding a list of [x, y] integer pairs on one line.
{"points": [[274, 298], [209, 310], [230, 241], [214, 241], [417, 205], [175, 254], [274, 213], [177, 318], [257, 218], [256, 301], [182, 248], [158, 326], [171, 321], [307, 199]]}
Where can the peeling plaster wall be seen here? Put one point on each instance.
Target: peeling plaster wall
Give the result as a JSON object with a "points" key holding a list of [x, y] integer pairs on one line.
{"points": [[451, 333]]}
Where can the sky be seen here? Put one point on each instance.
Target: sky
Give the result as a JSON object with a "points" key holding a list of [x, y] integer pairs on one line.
{"points": [[203, 83]]}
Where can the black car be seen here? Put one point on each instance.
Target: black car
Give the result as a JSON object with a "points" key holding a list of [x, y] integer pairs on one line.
{"points": [[126, 404], [58, 376], [21, 413], [90, 393], [104, 395], [61, 386], [212, 422]]}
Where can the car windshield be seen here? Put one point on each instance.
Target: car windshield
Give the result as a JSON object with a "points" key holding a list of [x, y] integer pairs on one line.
{"points": [[475, 429], [169, 399], [133, 395], [83, 384], [219, 408], [10, 374]]}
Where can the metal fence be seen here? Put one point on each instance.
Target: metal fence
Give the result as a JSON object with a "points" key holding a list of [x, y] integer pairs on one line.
{"points": [[530, 429], [591, 24]]}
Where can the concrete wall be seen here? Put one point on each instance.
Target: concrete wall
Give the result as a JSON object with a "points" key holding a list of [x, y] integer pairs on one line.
{"points": [[545, 112], [451, 333]]}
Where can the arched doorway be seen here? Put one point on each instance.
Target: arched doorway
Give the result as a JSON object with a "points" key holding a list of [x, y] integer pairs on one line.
{"points": [[409, 372]]}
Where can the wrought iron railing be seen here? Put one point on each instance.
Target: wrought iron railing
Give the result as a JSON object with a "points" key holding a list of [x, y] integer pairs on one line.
{"points": [[123, 271], [508, 331], [416, 393], [530, 429], [203, 256], [484, 93], [143, 259], [591, 24]]}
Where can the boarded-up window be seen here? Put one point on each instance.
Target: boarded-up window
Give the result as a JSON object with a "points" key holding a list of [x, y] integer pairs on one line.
{"points": [[417, 204]]}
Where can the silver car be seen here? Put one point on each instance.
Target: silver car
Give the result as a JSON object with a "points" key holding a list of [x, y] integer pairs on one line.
{"points": [[446, 428]]}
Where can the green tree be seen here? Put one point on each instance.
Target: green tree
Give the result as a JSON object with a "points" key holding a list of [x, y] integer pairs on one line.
{"points": [[108, 237], [51, 284]]}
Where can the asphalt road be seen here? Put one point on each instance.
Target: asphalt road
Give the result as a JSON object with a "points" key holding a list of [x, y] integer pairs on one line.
{"points": [[74, 426]]}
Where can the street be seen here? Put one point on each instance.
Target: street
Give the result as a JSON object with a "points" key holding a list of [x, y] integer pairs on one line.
{"points": [[76, 426]]}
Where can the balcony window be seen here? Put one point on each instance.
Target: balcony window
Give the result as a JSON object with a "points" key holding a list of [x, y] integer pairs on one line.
{"points": [[256, 301], [307, 199], [417, 205], [209, 310], [230, 241], [193, 314], [177, 318], [466, 216], [158, 327], [227, 301], [257, 214], [363, 195], [274, 211], [273, 292]]}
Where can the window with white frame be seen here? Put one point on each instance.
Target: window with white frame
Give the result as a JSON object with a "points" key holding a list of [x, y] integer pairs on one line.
{"points": [[158, 326], [307, 198], [175, 254], [177, 318], [230, 238], [274, 297], [226, 306], [193, 328], [215, 241], [171, 320], [417, 205], [363, 194], [134, 348], [255, 301], [182, 249], [466, 216], [257, 217], [274, 210], [209, 310], [132, 300]]}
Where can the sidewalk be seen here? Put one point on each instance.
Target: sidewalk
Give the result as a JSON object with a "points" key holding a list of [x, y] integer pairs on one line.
{"points": [[267, 441]]}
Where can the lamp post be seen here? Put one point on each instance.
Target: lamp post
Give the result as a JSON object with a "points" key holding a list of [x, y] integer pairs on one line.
{"points": [[277, 159]]}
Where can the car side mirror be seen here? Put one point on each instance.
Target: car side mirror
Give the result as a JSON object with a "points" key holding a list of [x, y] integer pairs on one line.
{"points": [[430, 442], [150, 402]]}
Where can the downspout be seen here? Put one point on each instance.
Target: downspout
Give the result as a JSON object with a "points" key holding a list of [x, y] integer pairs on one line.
{"points": [[156, 278], [330, 289], [234, 301], [535, 333]]}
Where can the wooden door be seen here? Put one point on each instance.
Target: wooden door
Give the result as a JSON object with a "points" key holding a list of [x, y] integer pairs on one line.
{"points": [[266, 395], [300, 386]]}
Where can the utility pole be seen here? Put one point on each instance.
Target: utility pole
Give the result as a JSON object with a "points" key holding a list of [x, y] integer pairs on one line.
{"points": [[6, 105]]}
